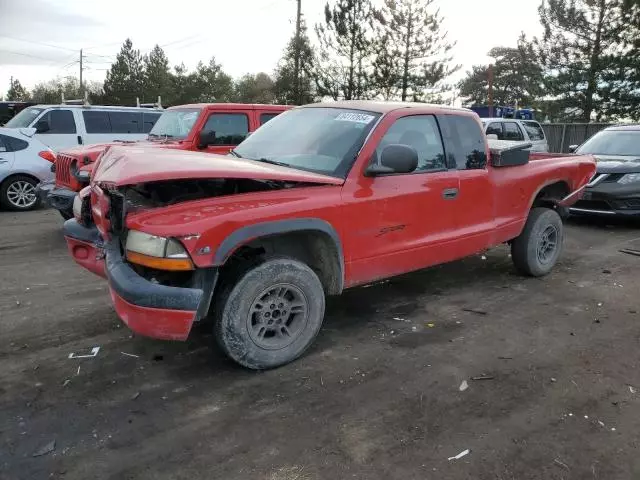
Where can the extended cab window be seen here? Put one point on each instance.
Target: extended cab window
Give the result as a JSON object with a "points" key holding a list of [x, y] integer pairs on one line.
{"points": [[512, 132], [230, 128], [420, 132], [96, 121], [465, 141], [265, 117], [60, 121]]}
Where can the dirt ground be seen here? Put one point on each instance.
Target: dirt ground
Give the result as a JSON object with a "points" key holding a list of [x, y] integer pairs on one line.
{"points": [[377, 397]]}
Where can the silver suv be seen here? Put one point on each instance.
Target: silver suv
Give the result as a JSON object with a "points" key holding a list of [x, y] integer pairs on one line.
{"points": [[510, 129]]}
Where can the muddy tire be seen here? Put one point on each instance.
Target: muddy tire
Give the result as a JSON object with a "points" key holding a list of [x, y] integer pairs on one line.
{"points": [[270, 313], [19, 193], [537, 249]]}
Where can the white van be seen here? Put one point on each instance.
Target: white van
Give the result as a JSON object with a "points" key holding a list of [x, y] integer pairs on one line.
{"points": [[514, 130], [64, 126]]}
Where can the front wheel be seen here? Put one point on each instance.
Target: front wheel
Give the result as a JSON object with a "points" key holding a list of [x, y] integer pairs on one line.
{"points": [[19, 193], [271, 314], [537, 249]]}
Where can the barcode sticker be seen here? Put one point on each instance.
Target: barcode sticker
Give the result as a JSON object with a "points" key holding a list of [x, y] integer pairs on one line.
{"points": [[355, 117]]}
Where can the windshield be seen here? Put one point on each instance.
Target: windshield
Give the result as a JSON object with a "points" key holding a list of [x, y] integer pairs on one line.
{"points": [[24, 118], [612, 142], [175, 123], [322, 140]]}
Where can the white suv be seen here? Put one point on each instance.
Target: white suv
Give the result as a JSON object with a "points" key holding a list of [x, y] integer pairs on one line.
{"points": [[510, 129], [64, 126]]}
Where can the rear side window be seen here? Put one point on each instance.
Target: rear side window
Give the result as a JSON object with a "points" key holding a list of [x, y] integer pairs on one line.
{"points": [[4, 144], [12, 144], [230, 128], [149, 120], [464, 141], [60, 122], [512, 132], [125, 122], [265, 117], [420, 132], [96, 121], [534, 130]]}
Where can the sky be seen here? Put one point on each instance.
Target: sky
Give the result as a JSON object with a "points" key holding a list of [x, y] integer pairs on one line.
{"points": [[41, 39]]}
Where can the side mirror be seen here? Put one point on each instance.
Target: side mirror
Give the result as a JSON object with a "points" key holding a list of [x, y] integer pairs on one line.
{"points": [[395, 158], [573, 148], [206, 139], [42, 126]]}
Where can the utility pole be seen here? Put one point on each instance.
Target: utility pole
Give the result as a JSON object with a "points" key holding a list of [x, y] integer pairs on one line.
{"points": [[491, 90], [297, 93], [81, 89]]}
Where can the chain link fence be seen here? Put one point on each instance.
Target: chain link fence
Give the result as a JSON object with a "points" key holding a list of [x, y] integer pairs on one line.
{"points": [[561, 135]]}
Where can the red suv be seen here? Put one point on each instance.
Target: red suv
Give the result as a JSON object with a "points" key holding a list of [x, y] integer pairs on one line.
{"points": [[207, 127]]}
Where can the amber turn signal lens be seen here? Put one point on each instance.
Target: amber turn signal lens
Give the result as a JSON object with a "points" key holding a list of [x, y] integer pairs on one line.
{"points": [[171, 264]]}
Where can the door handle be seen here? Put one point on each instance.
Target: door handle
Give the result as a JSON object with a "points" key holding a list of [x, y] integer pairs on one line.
{"points": [[449, 193], [79, 140]]}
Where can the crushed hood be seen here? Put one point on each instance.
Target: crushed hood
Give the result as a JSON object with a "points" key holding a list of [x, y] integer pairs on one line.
{"points": [[131, 165]]}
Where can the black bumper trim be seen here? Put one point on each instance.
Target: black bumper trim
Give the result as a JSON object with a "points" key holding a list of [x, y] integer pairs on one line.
{"points": [[137, 290], [61, 199]]}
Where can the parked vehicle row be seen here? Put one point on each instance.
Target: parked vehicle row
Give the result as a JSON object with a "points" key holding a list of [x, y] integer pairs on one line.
{"points": [[210, 128], [321, 198]]}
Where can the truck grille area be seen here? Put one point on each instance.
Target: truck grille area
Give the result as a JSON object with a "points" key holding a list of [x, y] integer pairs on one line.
{"points": [[63, 169]]}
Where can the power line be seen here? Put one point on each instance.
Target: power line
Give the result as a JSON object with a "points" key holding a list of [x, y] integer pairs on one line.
{"points": [[26, 55], [38, 43]]}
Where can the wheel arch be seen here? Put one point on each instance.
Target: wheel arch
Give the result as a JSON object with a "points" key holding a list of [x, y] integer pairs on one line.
{"points": [[311, 240], [550, 195]]}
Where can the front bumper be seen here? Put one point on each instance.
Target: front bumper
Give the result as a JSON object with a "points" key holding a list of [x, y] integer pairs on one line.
{"points": [[609, 199], [59, 198], [148, 308], [43, 190]]}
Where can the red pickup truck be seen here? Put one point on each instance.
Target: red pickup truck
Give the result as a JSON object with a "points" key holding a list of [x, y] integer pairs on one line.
{"points": [[210, 127], [322, 198]]}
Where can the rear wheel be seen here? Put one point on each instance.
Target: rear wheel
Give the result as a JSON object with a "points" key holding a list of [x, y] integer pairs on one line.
{"points": [[19, 193], [271, 314], [537, 249]]}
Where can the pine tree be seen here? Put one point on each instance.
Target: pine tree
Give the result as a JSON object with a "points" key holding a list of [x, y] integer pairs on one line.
{"points": [[288, 89], [213, 83], [345, 48], [413, 54], [582, 51], [157, 76], [125, 79], [17, 92], [517, 77]]}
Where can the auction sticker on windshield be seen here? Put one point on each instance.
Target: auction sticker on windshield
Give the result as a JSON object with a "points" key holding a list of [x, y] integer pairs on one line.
{"points": [[355, 117]]}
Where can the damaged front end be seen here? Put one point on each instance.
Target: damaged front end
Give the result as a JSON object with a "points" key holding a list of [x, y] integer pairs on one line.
{"points": [[158, 287]]}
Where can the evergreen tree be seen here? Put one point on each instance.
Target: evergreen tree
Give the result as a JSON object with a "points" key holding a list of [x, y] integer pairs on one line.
{"points": [[212, 83], [157, 76], [17, 92], [582, 51], [288, 89], [53, 90], [413, 52], [125, 79], [517, 78], [258, 88], [345, 48]]}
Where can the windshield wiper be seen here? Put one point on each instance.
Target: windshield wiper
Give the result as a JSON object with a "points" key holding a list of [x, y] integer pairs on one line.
{"points": [[235, 154], [273, 162], [163, 136]]}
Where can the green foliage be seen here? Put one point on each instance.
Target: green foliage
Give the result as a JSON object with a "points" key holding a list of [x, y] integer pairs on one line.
{"points": [[17, 92], [256, 88], [412, 52], [517, 77], [289, 88], [126, 78], [345, 48]]}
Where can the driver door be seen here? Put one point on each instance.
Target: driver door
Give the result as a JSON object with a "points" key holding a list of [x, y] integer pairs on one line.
{"points": [[402, 222]]}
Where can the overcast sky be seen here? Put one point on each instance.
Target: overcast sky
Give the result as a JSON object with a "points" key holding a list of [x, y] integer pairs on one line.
{"points": [[244, 35]]}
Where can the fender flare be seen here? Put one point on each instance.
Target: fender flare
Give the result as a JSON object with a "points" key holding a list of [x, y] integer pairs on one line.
{"points": [[244, 235]]}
